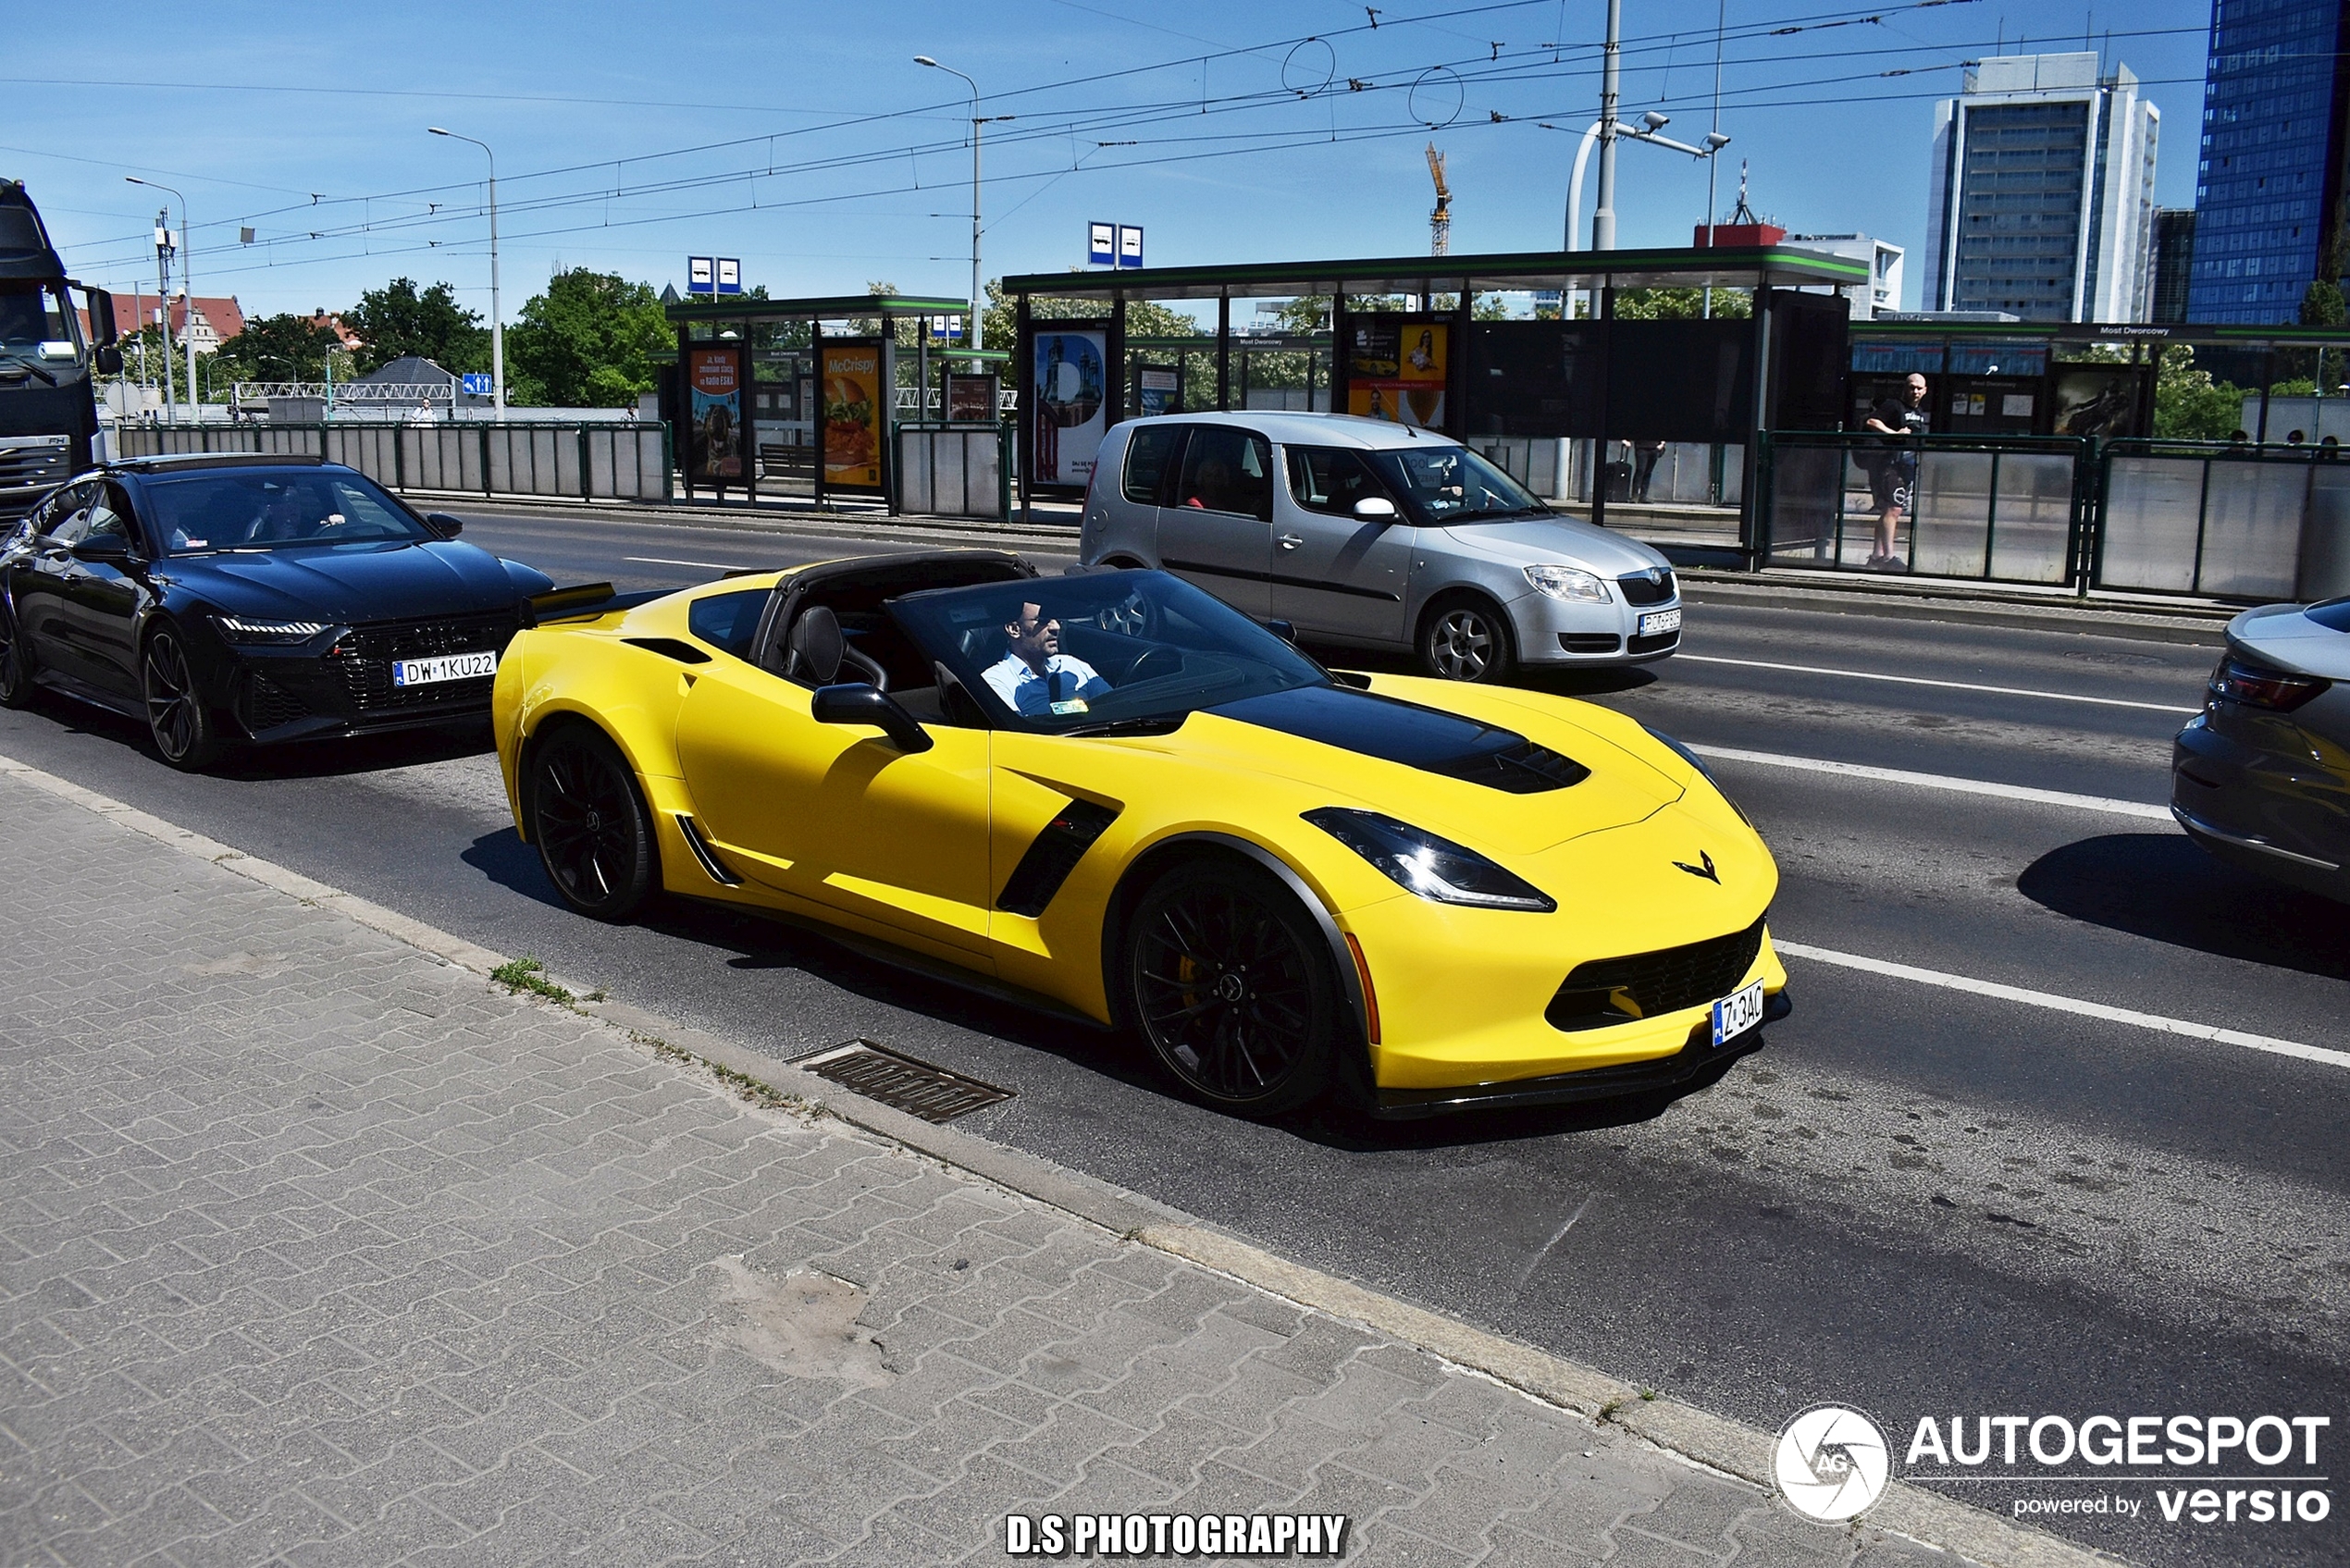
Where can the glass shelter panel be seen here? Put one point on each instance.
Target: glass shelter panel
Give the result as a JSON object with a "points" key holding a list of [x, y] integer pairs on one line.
{"points": [[2252, 528], [2153, 509], [2032, 517]]}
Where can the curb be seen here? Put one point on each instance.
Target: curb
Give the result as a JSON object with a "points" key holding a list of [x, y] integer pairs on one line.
{"points": [[2194, 627], [1699, 1437]]}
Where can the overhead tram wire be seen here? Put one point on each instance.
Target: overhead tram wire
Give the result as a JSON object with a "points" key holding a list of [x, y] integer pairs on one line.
{"points": [[1770, 27], [1260, 141]]}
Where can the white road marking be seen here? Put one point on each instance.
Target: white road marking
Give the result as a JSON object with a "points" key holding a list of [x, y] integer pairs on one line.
{"points": [[1922, 681], [660, 561], [2068, 1005], [1938, 780]]}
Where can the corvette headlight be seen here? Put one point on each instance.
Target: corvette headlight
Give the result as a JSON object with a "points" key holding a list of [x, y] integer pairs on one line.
{"points": [[1694, 761], [1434, 868], [251, 632], [1570, 582]]}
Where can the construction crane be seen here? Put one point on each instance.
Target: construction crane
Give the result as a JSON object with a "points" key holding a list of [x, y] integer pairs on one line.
{"points": [[1440, 221]]}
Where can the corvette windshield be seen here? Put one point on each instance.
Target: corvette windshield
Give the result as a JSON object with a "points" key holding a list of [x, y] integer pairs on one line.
{"points": [[1110, 650], [275, 509]]}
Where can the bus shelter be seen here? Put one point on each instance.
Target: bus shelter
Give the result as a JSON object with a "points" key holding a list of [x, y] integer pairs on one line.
{"points": [[1525, 356], [804, 399]]}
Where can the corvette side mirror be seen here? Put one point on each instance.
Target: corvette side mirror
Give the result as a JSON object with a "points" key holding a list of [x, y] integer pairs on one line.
{"points": [[854, 702]]}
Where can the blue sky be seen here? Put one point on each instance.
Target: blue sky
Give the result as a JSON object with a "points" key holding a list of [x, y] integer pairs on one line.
{"points": [[628, 137]]}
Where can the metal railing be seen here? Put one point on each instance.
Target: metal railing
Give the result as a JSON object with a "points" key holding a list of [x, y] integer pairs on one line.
{"points": [[2224, 520], [589, 461], [1985, 509], [954, 470]]}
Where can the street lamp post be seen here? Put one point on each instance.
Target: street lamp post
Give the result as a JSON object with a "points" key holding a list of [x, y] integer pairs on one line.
{"points": [[977, 333], [497, 317], [187, 288]]}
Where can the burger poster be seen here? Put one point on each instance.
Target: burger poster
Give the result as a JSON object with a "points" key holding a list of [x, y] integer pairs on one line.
{"points": [[1396, 368], [714, 378], [1068, 407], [853, 376]]}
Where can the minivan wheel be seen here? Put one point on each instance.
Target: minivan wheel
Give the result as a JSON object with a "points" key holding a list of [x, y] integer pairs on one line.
{"points": [[1467, 639]]}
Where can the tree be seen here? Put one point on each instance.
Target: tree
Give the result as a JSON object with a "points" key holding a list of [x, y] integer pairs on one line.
{"points": [[399, 319], [1681, 304], [2189, 405], [591, 340], [1145, 318], [277, 348]]}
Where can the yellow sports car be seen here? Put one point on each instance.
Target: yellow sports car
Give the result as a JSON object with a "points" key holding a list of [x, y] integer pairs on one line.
{"points": [[1114, 794]]}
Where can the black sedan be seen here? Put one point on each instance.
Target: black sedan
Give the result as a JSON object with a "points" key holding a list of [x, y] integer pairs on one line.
{"points": [[235, 600]]}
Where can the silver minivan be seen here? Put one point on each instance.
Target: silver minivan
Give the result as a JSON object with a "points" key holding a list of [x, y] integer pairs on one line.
{"points": [[1365, 533]]}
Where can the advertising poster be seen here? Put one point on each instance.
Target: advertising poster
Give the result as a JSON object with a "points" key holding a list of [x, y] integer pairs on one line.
{"points": [[1069, 408], [2097, 400], [713, 376], [970, 399], [1158, 388], [1396, 368], [852, 392]]}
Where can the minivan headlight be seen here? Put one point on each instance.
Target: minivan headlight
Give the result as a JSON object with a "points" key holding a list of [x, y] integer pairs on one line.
{"points": [[1571, 583], [1436, 869]]}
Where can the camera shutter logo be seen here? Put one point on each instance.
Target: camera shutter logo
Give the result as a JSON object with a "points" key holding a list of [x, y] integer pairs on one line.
{"points": [[1831, 1463]]}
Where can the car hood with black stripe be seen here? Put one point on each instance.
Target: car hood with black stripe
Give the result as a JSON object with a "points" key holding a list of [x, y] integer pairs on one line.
{"points": [[353, 584]]}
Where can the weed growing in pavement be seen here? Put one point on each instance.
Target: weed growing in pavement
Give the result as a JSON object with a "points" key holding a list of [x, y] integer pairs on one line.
{"points": [[519, 975], [1607, 1410]]}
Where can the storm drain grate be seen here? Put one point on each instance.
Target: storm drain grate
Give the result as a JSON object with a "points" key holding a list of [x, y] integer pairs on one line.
{"points": [[899, 1081]]}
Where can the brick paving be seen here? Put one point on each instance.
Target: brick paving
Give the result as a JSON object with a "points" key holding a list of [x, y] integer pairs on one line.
{"points": [[318, 1250]]}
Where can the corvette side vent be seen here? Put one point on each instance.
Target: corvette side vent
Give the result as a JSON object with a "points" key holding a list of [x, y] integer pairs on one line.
{"points": [[1052, 857], [710, 864], [899, 1081]]}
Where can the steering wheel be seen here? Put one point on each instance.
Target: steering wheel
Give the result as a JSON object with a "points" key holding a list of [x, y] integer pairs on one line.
{"points": [[1155, 663], [1131, 616]]}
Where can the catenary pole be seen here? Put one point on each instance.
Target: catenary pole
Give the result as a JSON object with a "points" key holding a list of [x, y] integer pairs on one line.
{"points": [[1603, 215], [497, 315]]}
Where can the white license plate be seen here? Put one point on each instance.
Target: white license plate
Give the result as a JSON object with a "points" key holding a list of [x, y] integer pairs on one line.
{"points": [[1657, 620], [1737, 1012], [447, 667]]}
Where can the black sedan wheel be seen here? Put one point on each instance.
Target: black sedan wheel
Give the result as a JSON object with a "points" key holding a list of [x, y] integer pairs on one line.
{"points": [[1467, 639], [1226, 979], [177, 717], [16, 670], [595, 837]]}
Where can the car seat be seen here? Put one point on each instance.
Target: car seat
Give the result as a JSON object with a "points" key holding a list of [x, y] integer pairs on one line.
{"points": [[818, 650]]}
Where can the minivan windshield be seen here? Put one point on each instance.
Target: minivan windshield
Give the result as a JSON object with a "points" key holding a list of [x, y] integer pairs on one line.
{"points": [[274, 509], [1439, 483], [1105, 651]]}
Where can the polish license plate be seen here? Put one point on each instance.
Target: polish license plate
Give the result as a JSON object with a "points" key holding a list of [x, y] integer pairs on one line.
{"points": [[1737, 1012], [447, 667], [1657, 620]]}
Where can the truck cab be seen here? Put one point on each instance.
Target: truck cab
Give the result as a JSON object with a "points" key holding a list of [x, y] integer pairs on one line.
{"points": [[49, 402]]}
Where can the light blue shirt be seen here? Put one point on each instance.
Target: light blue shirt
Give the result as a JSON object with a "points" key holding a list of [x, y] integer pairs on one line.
{"points": [[1034, 695]]}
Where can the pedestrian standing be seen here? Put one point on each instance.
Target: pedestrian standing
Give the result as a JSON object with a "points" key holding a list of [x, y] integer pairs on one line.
{"points": [[1893, 479]]}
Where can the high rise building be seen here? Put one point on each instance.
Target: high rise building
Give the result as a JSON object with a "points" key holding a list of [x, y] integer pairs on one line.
{"points": [[2173, 263], [2269, 182], [2042, 192]]}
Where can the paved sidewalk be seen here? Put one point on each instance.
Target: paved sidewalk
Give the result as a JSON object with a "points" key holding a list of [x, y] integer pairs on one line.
{"points": [[316, 1249]]}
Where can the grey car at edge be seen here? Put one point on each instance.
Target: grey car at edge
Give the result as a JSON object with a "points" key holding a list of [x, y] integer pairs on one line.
{"points": [[2261, 778], [1360, 533]]}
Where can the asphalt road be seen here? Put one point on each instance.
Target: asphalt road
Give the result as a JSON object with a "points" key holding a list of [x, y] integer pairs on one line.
{"points": [[1917, 1199]]}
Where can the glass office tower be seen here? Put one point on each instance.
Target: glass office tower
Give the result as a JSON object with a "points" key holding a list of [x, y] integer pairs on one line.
{"points": [[2270, 177]]}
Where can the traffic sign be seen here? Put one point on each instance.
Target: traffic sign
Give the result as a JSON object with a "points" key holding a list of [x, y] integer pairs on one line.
{"points": [[478, 384], [699, 275], [1130, 244], [730, 276], [1101, 244]]}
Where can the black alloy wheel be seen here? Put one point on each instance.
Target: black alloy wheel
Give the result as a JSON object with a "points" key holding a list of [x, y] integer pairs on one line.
{"points": [[1226, 978], [15, 668], [177, 718], [1467, 639], [594, 835]]}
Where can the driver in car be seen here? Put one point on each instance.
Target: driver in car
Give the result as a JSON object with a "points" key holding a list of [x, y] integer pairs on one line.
{"points": [[1035, 676]]}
